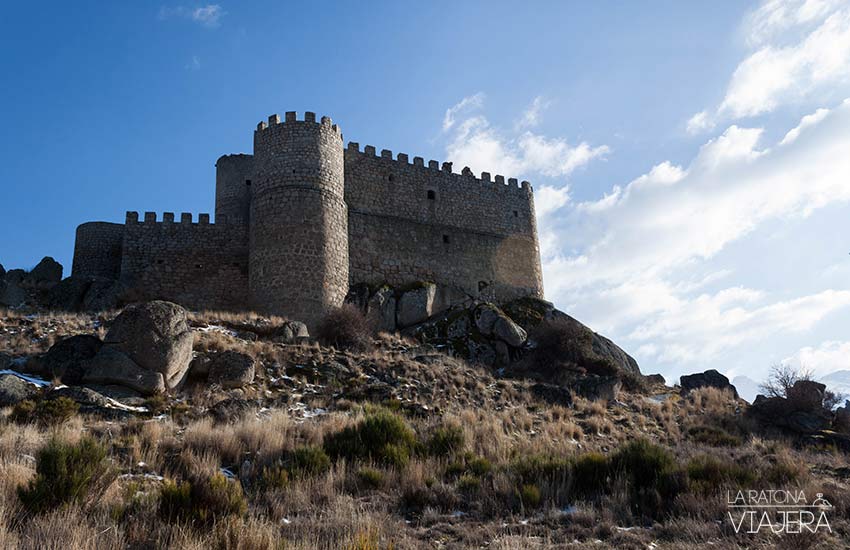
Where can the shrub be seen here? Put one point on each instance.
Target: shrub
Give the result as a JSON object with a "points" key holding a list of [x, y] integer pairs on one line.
{"points": [[716, 437], [651, 475], [65, 473], [274, 477], [345, 327], [468, 483], [23, 411], [56, 411], [529, 494], [707, 473], [308, 461], [381, 436], [49, 412], [445, 441], [370, 477], [540, 468], [590, 474], [479, 466], [202, 501]]}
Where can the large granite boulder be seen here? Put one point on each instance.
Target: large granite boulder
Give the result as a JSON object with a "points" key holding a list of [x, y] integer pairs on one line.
{"points": [[14, 390], [708, 379], [110, 366], [48, 271], [416, 305], [784, 413], [492, 321], [156, 336], [67, 359], [231, 369]]}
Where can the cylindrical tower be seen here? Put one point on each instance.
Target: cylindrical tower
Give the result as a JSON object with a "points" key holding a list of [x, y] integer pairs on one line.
{"points": [[298, 262], [233, 184]]}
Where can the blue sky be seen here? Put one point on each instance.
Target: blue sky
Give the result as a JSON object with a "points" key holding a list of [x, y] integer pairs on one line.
{"points": [[677, 213]]}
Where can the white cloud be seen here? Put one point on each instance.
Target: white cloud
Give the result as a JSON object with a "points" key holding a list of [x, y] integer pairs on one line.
{"points": [[464, 105], [828, 357], [208, 16], [194, 64], [644, 250], [477, 144], [799, 48], [699, 123], [808, 120], [531, 117]]}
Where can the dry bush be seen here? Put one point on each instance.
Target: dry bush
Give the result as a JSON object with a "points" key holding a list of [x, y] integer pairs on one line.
{"points": [[345, 327]]}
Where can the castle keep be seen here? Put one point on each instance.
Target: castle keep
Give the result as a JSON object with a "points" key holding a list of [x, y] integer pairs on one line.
{"points": [[305, 217]]}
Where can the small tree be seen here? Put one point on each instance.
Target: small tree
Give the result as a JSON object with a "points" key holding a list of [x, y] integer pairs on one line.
{"points": [[781, 378]]}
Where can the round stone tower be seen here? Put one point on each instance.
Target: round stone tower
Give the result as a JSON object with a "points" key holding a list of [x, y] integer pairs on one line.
{"points": [[298, 262], [233, 183]]}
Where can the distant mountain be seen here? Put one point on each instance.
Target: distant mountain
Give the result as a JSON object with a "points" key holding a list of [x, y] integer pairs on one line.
{"points": [[747, 388], [838, 381]]}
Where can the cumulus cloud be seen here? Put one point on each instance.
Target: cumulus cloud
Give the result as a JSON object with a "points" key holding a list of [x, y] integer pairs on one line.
{"points": [[633, 261], [207, 16], [798, 47], [474, 142], [828, 357]]}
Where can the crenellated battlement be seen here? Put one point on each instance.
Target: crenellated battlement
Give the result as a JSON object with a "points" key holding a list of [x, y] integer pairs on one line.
{"points": [[291, 117], [150, 218], [466, 176]]}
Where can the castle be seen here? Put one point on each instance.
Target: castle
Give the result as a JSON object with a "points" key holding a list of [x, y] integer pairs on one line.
{"points": [[304, 217]]}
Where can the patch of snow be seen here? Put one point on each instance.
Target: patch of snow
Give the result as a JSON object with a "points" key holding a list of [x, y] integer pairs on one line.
{"points": [[216, 328], [113, 404], [151, 477], [285, 521], [227, 473], [31, 379]]}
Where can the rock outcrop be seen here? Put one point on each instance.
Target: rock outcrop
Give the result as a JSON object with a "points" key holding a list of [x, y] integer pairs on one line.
{"points": [[156, 336], [801, 411], [110, 366], [66, 360], [14, 389], [708, 379], [47, 272], [231, 369]]}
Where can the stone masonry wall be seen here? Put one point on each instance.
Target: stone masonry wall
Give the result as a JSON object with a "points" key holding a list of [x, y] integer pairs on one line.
{"points": [[410, 222], [299, 224], [198, 265], [97, 250]]}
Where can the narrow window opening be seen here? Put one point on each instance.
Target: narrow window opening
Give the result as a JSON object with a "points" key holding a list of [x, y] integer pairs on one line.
{"points": [[446, 239], [235, 264], [431, 195], [248, 182], [390, 177], [159, 261], [516, 214], [199, 266]]}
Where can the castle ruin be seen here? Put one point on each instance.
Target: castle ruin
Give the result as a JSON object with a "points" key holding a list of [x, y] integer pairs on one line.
{"points": [[304, 218]]}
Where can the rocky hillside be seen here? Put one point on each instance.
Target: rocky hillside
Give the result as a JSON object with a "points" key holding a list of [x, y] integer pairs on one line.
{"points": [[406, 421]]}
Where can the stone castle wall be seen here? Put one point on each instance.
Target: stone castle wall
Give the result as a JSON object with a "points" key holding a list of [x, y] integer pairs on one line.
{"points": [[299, 223], [303, 218], [411, 222], [98, 250], [199, 265]]}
